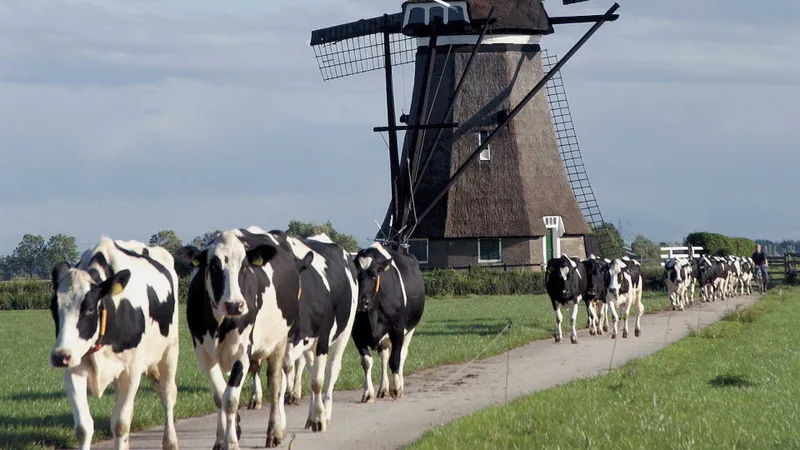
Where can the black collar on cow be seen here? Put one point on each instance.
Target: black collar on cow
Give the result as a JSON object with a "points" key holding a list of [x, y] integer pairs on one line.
{"points": [[103, 324]]}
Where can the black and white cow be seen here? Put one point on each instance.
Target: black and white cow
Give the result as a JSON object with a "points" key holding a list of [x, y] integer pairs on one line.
{"points": [[596, 290], [391, 301], [708, 273], [678, 278], [242, 301], [747, 275], [328, 299], [565, 282], [116, 319], [723, 275], [624, 281]]}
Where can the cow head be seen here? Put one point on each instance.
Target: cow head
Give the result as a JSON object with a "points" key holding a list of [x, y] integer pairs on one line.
{"points": [[615, 277], [562, 278], [595, 274], [228, 265], [79, 310], [371, 264]]}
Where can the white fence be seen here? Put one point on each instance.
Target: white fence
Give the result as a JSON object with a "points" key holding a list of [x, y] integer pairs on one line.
{"points": [[668, 253]]}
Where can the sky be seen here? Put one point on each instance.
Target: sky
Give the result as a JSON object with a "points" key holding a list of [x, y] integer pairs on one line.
{"points": [[127, 117]]}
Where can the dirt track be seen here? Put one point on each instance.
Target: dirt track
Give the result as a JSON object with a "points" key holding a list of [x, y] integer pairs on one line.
{"points": [[390, 424]]}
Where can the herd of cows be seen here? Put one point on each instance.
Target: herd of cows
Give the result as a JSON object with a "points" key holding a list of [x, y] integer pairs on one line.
{"points": [[256, 296], [253, 297], [603, 284]]}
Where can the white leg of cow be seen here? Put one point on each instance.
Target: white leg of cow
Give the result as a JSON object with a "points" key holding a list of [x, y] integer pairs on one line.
{"points": [[168, 391], [210, 368], [277, 382], [332, 371], [81, 415], [573, 317], [625, 311], [592, 313], [297, 381], [637, 297], [403, 355], [559, 319], [383, 388], [127, 386], [257, 396], [316, 407], [230, 399], [369, 391], [603, 319], [611, 303]]}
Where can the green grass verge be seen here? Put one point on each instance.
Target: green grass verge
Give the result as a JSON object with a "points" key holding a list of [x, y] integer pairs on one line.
{"points": [[730, 385], [34, 411]]}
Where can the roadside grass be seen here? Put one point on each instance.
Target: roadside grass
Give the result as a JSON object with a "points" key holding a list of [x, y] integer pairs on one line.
{"points": [[35, 413], [730, 385]]}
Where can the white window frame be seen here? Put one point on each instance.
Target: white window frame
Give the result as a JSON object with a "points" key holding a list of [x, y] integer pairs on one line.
{"points": [[486, 154], [427, 249], [556, 223], [500, 241]]}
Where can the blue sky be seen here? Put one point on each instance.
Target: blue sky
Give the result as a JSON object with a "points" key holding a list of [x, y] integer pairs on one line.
{"points": [[125, 118]]}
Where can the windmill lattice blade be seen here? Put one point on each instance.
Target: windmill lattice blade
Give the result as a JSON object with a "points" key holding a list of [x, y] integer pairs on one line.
{"points": [[571, 152], [362, 54]]}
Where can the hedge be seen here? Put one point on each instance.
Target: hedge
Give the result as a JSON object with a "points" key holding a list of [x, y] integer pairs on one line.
{"points": [[35, 294], [721, 245]]}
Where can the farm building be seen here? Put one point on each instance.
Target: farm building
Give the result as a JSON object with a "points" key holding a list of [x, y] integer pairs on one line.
{"points": [[514, 206]]}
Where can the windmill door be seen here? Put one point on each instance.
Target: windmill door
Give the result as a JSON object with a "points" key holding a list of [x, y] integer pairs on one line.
{"points": [[548, 245]]}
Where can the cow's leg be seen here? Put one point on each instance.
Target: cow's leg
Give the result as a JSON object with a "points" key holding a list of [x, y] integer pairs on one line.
{"points": [[332, 372], [383, 387], [611, 303], [573, 317], [294, 374], [625, 312], [277, 382], [168, 391], [637, 297], [603, 319], [306, 359], [230, 398], [257, 395], [559, 319], [127, 386], [316, 405], [397, 337], [79, 402], [590, 311], [366, 364], [403, 356], [210, 368]]}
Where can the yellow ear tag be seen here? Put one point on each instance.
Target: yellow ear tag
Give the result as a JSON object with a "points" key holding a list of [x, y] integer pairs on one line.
{"points": [[299, 293], [378, 285], [258, 261], [103, 317], [116, 289], [388, 266], [195, 262]]}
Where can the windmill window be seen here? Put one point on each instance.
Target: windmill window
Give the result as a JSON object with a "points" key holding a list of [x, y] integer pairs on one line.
{"points": [[455, 13], [490, 250], [486, 154], [437, 12], [416, 16], [419, 248]]}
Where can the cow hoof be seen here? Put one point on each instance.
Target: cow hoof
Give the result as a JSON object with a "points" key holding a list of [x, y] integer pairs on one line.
{"points": [[605, 328], [613, 336], [218, 446], [637, 333], [383, 392], [591, 333], [624, 335], [291, 399], [315, 426], [169, 445], [254, 404], [573, 339], [273, 441], [367, 398], [558, 339], [600, 333]]}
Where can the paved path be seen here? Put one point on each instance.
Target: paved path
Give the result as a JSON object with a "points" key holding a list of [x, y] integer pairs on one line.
{"points": [[391, 424]]}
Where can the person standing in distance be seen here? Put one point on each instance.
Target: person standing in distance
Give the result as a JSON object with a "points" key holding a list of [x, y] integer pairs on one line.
{"points": [[760, 260]]}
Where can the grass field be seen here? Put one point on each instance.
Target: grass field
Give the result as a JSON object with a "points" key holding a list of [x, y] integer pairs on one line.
{"points": [[731, 385], [34, 411]]}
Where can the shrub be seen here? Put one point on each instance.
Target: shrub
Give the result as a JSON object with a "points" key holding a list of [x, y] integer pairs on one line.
{"points": [[721, 245], [25, 294]]}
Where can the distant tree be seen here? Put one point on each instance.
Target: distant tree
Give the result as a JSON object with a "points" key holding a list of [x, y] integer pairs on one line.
{"points": [[31, 256], [8, 267], [61, 248], [307, 229], [608, 234], [167, 239], [645, 247], [204, 239]]}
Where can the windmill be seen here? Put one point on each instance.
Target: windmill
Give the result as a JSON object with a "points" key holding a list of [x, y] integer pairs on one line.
{"points": [[486, 162]]}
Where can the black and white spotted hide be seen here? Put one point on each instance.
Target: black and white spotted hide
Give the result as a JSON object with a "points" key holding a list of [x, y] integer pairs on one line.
{"points": [[624, 281], [596, 294], [565, 282]]}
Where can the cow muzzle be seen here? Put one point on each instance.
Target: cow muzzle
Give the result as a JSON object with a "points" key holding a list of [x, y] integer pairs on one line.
{"points": [[60, 359], [235, 308]]}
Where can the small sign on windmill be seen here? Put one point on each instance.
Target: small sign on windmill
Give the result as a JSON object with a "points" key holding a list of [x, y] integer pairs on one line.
{"points": [[478, 64]]}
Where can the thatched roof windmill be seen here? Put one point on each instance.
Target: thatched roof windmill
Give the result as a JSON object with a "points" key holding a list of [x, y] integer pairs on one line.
{"points": [[485, 176]]}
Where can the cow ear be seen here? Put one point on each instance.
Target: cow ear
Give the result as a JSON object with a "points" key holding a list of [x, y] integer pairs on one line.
{"points": [[191, 255], [116, 284], [59, 270], [261, 254], [305, 263]]}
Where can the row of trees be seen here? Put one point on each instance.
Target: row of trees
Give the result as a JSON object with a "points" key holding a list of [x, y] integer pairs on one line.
{"points": [[35, 257], [779, 248]]}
